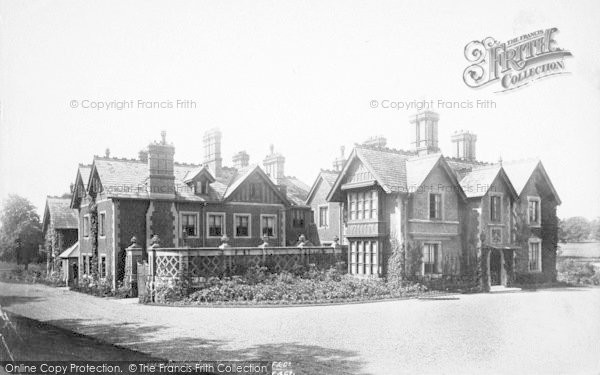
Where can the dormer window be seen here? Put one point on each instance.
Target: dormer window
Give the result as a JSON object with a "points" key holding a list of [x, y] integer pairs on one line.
{"points": [[202, 186]]}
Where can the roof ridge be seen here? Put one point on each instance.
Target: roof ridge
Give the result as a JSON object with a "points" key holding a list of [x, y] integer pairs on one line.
{"points": [[114, 158], [478, 162], [385, 149], [330, 171]]}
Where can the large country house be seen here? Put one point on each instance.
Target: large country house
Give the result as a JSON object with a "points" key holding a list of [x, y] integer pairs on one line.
{"points": [[416, 213], [448, 217], [184, 204]]}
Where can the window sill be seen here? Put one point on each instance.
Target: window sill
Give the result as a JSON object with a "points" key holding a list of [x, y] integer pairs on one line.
{"points": [[535, 225]]}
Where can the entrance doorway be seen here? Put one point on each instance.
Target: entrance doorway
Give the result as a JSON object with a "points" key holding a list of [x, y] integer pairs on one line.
{"points": [[496, 270]]}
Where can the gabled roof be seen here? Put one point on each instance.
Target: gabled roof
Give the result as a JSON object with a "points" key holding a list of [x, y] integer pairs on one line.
{"points": [[128, 178], [80, 186], [59, 214], [297, 190], [241, 175], [325, 175], [388, 167], [84, 171], [196, 173], [462, 167], [71, 252], [420, 167], [478, 182], [520, 172]]}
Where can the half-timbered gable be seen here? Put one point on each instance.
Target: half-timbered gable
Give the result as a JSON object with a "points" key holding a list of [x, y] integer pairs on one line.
{"points": [[254, 186]]}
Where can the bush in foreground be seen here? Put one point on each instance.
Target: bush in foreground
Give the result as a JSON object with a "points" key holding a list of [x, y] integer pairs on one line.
{"points": [[258, 286], [573, 272]]}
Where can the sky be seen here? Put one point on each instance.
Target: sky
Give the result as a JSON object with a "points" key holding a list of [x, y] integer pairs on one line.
{"points": [[300, 75]]}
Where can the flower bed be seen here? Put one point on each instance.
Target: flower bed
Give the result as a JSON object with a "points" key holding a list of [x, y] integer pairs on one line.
{"points": [[258, 287]]}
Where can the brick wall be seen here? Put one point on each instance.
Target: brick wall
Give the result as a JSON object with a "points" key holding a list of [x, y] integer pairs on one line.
{"points": [[548, 233], [229, 209], [325, 234]]}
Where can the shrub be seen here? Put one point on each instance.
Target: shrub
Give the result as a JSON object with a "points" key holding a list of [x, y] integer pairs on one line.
{"points": [[574, 272], [170, 290], [313, 286]]}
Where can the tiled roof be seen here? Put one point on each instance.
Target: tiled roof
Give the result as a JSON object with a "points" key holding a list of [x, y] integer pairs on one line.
{"points": [[519, 172], [236, 179], [61, 216], [477, 182], [85, 170], [388, 166], [462, 167], [329, 176], [418, 168], [128, 178], [326, 175], [297, 191]]}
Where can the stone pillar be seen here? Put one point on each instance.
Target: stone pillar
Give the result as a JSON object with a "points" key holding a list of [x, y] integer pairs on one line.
{"points": [[337, 248], [134, 255], [155, 244], [224, 245]]}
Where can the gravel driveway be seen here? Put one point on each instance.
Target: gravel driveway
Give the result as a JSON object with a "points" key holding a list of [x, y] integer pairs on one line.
{"points": [[536, 332]]}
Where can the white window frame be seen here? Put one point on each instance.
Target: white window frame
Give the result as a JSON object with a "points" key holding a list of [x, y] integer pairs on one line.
{"points": [[192, 213], [439, 247], [274, 224], [103, 225], [224, 230], [249, 216], [101, 258], [492, 229], [534, 240], [325, 206], [86, 219], [501, 207], [539, 211], [441, 207]]}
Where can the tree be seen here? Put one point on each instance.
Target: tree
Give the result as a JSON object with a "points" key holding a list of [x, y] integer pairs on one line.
{"points": [[595, 229], [575, 229], [20, 230]]}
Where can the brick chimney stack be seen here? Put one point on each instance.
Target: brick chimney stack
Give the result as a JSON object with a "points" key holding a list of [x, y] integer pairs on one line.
{"points": [[274, 164], [240, 160], [426, 132], [464, 144], [161, 166], [339, 162], [212, 151]]}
